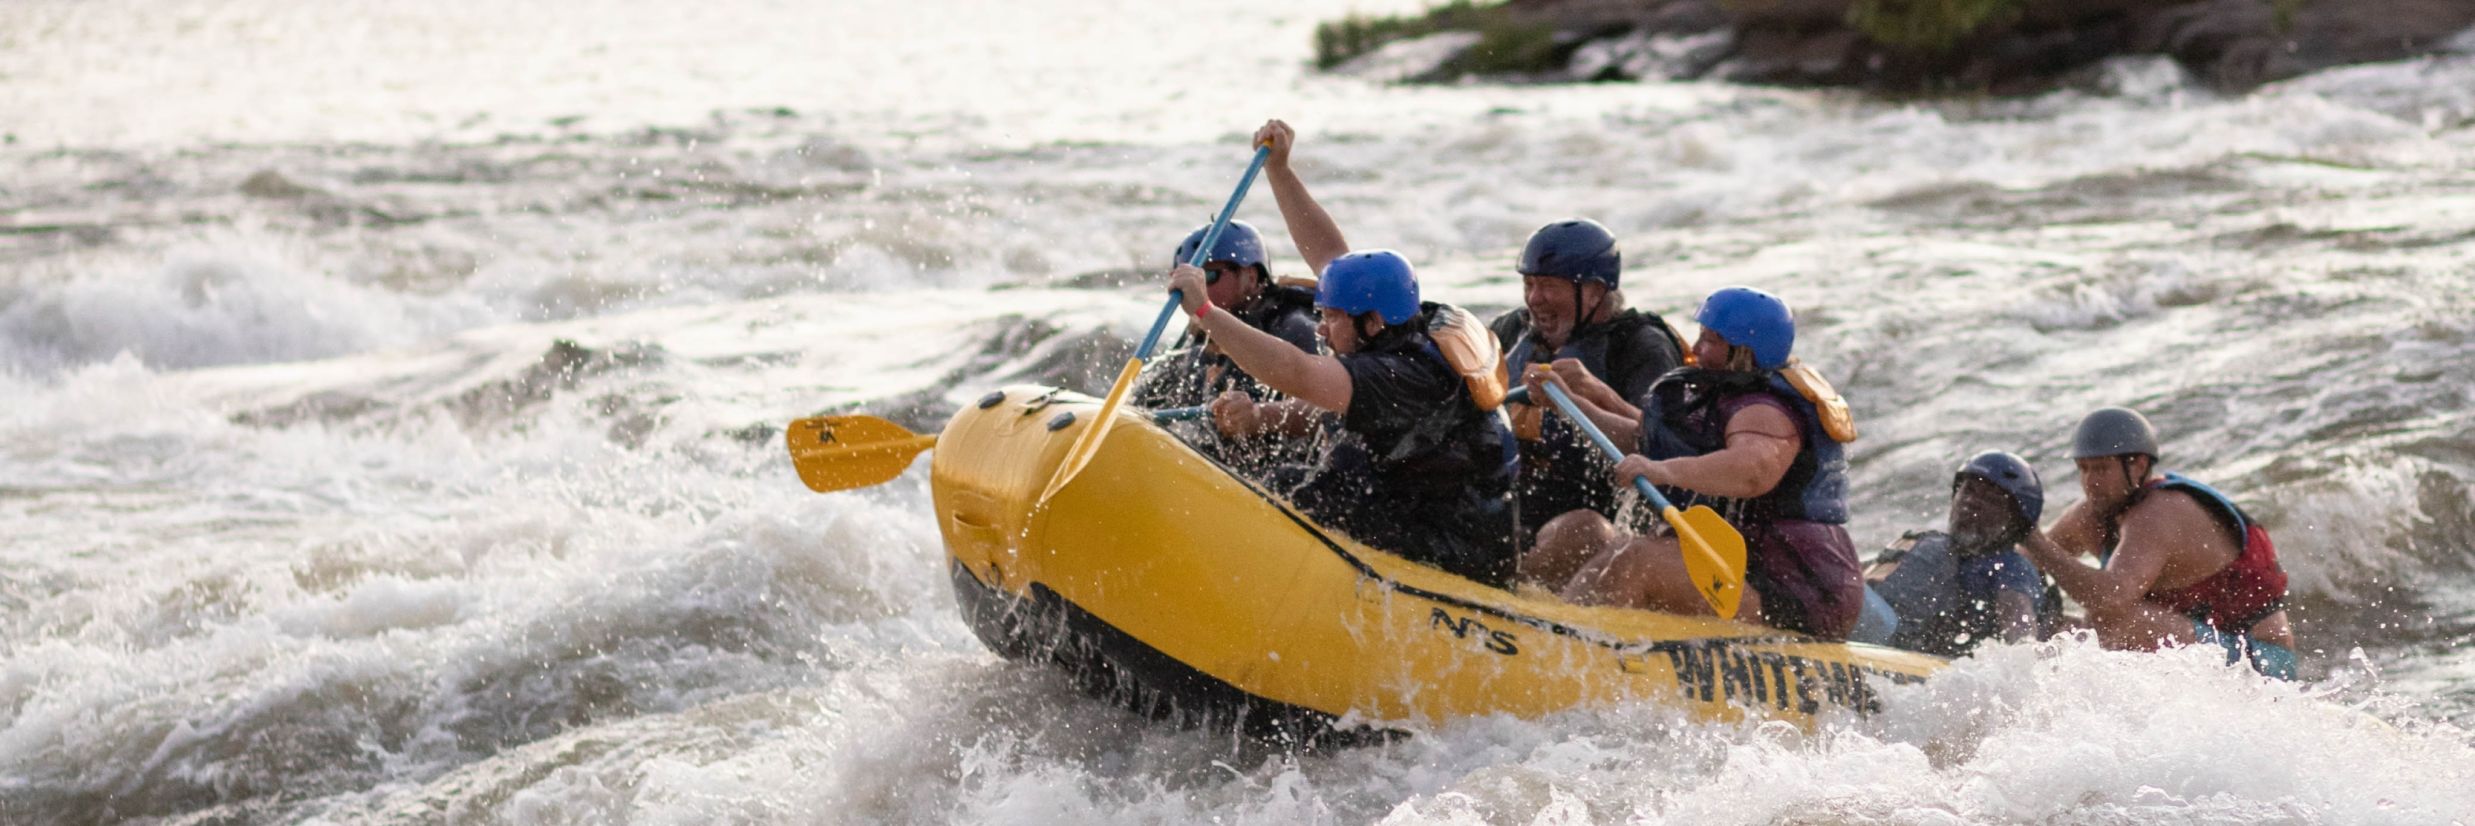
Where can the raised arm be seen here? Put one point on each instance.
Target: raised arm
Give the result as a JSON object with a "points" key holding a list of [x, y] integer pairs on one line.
{"points": [[1313, 378], [1318, 238]]}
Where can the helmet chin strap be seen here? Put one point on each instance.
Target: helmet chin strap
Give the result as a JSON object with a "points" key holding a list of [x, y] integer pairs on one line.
{"points": [[2131, 487]]}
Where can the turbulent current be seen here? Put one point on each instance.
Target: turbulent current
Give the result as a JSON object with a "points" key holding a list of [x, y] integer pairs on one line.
{"points": [[393, 395]]}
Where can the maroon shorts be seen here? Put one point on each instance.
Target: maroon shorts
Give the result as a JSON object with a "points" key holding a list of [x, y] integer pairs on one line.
{"points": [[1807, 575]]}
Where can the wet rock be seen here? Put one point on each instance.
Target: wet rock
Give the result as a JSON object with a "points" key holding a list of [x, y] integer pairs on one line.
{"points": [[565, 365], [1420, 60], [1019, 351], [328, 406], [1110, 279], [272, 185]]}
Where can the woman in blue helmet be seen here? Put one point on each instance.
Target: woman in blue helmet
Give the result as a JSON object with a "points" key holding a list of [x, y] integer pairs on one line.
{"points": [[1417, 462], [1758, 439], [1237, 280], [1954, 589]]}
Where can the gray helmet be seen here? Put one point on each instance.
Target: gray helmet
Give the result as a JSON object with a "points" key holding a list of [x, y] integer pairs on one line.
{"points": [[2114, 431]]}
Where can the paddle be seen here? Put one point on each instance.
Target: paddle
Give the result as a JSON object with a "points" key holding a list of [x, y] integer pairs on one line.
{"points": [[834, 453], [1088, 443], [1714, 553]]}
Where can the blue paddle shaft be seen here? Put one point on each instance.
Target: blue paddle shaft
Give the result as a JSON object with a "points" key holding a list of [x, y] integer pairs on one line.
{"points": [[1203, 253], [1564, 404]]}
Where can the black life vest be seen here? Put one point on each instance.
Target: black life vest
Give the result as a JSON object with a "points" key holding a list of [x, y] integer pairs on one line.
{"points": [[1460, 442], [1599, 347], [1684, 417]]}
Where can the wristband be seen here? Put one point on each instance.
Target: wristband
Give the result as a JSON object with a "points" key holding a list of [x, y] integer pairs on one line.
{"points": [[1205, 310]]}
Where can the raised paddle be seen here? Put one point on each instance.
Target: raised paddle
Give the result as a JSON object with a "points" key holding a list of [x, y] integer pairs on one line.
{"points": [[1714, 553], [835, 453], [1088, 443]]}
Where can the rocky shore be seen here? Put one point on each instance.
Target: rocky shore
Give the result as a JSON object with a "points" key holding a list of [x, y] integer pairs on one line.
{"points": [[1993, 46]]}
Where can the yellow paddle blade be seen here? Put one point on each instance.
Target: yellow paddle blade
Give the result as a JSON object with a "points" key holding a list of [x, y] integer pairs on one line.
{"points": [[1089, 443], [1714, 556], [843, 452]]}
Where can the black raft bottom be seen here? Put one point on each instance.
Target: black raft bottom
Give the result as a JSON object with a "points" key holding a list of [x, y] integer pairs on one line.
{"points": [[1113, 666]]}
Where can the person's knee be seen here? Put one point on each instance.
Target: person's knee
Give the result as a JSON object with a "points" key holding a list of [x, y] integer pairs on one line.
{"points": [[1573, 531]]}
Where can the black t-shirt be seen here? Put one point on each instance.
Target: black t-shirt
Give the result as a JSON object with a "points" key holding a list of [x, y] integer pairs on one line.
{"points": [[1391, 393]]}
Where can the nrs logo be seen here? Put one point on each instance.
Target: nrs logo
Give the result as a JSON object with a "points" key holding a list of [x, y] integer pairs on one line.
{"points": [[1501, 642]]}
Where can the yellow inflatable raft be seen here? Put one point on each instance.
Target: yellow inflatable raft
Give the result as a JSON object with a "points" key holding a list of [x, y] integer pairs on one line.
{"points": [[1163, 582]]}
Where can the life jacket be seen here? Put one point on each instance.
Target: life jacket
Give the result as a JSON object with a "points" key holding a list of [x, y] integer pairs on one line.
{"points": [[1439, 490], [1687, 416], [1282, 298], [1600, 348], [1946, 603], [1463, 441], [1469, 350], [2239, 595]]}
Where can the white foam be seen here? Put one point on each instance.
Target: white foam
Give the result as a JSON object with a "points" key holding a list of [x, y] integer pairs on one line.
{"points": [[237, 302]]}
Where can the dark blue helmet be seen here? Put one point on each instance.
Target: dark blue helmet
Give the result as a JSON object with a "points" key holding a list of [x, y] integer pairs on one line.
{"points": [[1374, 281], [1240, 244], [2010, 473], [1752, 319], [1578, 249]]}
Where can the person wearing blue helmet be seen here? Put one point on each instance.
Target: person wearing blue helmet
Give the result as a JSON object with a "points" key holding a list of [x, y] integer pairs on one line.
{"points": [[1573, 319], [1953, 589], [1756, 436], [1417, 457], [1237, 279]]}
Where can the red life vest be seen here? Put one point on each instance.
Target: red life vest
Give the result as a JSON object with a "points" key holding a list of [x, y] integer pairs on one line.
{"points": [[2239, 595]]}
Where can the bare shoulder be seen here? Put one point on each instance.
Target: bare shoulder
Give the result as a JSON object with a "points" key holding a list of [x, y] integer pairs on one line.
{"points": [[2176, 514]]}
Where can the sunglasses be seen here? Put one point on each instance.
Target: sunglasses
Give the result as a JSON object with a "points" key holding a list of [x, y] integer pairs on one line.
{"points": [[1213, 272]]}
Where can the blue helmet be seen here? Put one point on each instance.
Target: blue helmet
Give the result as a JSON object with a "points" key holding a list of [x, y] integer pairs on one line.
{"points": [[1240, 244], [2010, 473], [1577, 249], [1374, 281], [1752, 319]]}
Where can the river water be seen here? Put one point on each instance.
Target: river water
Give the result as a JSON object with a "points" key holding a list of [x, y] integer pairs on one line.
{"points": [[391, 391]]}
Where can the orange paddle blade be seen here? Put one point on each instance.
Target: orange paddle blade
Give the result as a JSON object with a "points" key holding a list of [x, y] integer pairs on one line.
{"points": [[1714, 556], [835, 453]]}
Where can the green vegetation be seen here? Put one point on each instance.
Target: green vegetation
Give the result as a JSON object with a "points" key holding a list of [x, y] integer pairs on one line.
{"points": [[1504, 44], [1928, 25], [2285, 11]]}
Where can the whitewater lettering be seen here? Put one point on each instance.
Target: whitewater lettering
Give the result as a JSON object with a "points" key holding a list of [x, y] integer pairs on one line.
{"points": [[1712, 670], [1501, 642]]}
